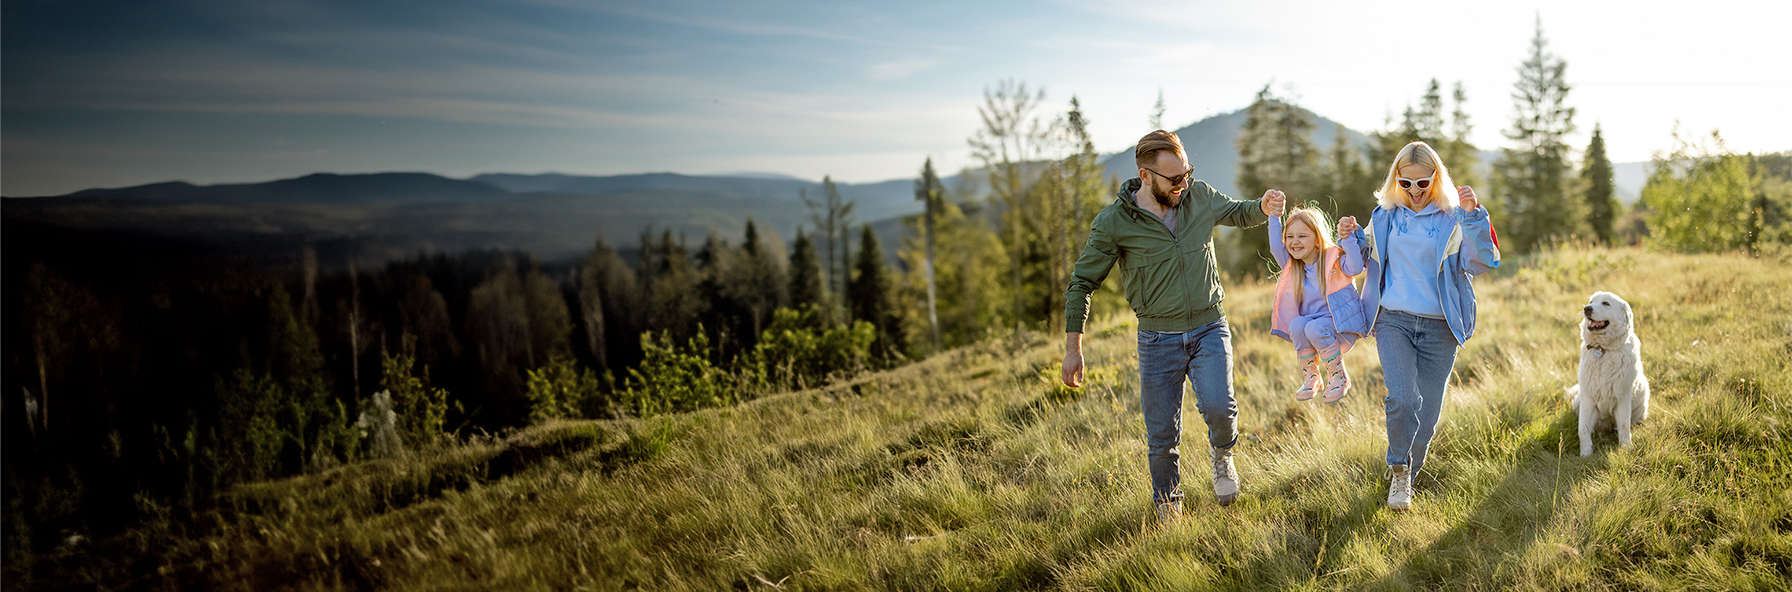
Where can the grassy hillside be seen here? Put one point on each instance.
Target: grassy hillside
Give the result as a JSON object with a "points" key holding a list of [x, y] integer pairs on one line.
{"points": [[974, 470]]}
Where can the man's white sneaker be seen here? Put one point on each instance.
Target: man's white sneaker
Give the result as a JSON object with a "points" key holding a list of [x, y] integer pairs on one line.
{"points": [[1400, 488], [1168, 512]]}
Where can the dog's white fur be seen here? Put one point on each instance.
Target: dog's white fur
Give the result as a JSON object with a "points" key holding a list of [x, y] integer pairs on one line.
{"points": [[1613, 391]]}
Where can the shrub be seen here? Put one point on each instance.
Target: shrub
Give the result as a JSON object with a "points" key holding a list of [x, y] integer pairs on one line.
{"points": [[797, 351], [562, 389], [248, 435], [672, 379], [421, 410]]}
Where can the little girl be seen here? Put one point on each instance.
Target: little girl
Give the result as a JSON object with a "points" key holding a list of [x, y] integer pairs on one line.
{"points": [[1317, 306]]}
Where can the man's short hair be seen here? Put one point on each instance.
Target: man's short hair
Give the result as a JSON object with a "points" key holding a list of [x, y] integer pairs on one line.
{"points": [[1153, 143]]}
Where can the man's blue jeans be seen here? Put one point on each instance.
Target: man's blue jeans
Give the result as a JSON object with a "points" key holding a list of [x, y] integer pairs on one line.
{"points": [[1417, 354], [1203, 357]]}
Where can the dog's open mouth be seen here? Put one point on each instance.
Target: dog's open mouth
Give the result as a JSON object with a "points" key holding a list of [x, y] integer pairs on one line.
{"points": [[1593, 325]]}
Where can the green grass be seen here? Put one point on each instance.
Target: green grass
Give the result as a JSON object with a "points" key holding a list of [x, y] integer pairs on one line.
{"points": [[974, 470]]}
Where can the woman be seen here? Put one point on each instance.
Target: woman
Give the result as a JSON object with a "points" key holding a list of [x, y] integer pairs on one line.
{"points": [[1425, 243]]}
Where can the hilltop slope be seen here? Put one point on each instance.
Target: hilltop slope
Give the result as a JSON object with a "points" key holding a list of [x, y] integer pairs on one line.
{"points": [[974, 470]]}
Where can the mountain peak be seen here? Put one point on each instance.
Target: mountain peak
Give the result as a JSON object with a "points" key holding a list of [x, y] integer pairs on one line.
{"points": [[1212, 145]]}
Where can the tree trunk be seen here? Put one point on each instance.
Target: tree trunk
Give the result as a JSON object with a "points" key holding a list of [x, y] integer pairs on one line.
{"points": [[43, 390], [933, 315]]}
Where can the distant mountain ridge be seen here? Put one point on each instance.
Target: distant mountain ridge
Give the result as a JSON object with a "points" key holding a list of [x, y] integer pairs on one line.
{"points": [[321, 188], [560, 215]]}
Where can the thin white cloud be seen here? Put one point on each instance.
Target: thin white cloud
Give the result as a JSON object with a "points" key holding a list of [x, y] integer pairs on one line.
{"points": [[899, 69]]}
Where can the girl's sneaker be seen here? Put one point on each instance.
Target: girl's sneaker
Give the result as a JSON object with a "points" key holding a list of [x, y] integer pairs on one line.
{"points": [[1339, 383], [1309, 381]]}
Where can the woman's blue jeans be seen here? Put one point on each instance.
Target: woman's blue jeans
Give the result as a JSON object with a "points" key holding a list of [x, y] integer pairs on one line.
{"points": [[1417, 354], [1204, 357]]}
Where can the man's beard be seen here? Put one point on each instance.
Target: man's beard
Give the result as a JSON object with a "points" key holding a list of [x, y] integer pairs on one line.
{"points": [[1168, 200]]}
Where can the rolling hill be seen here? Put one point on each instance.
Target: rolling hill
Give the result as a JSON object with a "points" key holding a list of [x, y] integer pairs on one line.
{"points": [[973, 469]]}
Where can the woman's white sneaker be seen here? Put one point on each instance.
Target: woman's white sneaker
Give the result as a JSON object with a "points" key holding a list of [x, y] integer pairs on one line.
{"points": [[1225, 476]]}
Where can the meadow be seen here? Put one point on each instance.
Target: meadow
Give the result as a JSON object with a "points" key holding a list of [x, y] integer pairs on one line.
{"points": [[975, 469]]}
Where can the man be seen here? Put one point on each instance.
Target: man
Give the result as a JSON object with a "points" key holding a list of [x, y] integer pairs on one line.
{"points": [[1160, 230]]}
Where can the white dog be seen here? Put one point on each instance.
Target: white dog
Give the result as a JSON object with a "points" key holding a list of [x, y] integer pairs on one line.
{"points": [[1613, 391]]}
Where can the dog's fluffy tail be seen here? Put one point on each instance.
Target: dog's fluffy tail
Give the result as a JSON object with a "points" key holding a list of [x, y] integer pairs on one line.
{"points": [[1572, 395]]}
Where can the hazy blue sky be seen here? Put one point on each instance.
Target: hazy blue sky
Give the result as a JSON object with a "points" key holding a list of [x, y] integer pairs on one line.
{"points": [[111, 94]]}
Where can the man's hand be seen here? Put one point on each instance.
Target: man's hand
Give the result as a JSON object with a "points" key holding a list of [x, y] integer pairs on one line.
{"points": [[1346, 225], [1274, 202], [1073, 360], [1468, 202]]}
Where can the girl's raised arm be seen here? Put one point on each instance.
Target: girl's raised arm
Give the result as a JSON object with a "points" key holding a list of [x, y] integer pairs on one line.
{"points": [[1276, 248]]}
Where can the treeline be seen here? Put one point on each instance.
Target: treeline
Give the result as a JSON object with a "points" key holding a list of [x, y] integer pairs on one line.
{"points": [[145, 376], [1699, 197]]}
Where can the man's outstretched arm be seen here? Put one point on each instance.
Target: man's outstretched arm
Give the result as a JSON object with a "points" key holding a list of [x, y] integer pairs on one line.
{"points": [[1245, 214], [1092, 268]]}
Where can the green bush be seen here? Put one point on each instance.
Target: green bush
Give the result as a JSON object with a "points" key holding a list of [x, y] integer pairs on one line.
{"points": [[562, 389], [421, 411], [672, 379], [798, 351], [248, 435]]}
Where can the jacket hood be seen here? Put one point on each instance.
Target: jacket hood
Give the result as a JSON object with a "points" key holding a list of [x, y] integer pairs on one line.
{"points": [[1127, 188]]}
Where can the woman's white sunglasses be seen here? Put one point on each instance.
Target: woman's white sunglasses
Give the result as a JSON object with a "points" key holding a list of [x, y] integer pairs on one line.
{"points": [[1406, 183]]}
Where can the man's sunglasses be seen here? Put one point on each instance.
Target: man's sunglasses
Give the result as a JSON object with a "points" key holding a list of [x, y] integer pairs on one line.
{"points": [[1406, 183], [1181, 179]]}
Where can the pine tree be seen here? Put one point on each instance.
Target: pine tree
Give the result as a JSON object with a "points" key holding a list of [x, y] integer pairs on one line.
{"points": [[295, 365], [1532, 174], [870, 296], [759, 283], [1080, 185], [725, 317], [1157, 110], [1428, 119], [1351, 184], [1596, 178], [1459, 152], [806, 288]]}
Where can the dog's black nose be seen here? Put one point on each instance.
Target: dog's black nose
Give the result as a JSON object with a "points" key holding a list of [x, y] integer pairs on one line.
{"points": [[1587, 310]]}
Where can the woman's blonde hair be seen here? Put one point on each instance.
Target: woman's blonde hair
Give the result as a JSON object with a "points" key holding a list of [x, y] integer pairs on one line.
{"points": [[1314, 218], [1443, 190]]}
